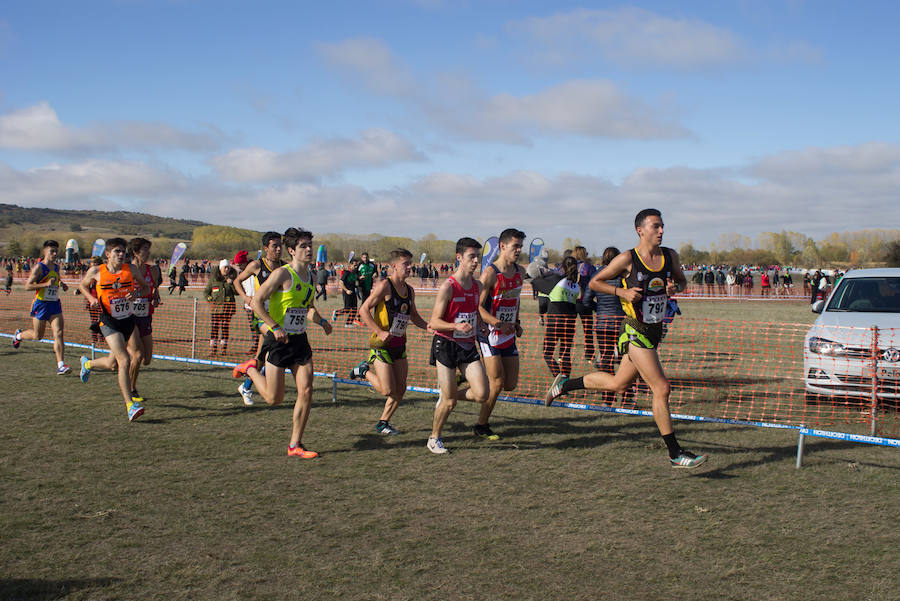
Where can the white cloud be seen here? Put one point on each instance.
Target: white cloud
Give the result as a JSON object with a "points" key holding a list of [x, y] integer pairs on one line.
{"points": [[373, 148], [593, 108], [832, 189], [635, 37], [371, 60], [38, 128]]}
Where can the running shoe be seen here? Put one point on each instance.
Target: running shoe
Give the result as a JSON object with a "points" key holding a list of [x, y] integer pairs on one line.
{"points": [[246, 394], [386, 429], [16, 340], [436, 446], [135, 410], [484, 431], [85, 371], [136, 396], [302, 453], [63, 369], [241, 370], [687, 460], [334, 315], [555, 389], [359, 371]]}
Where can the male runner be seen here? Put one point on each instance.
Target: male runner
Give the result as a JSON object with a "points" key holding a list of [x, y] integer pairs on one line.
{"points": [[117, 284], [46, 307], [246, 284], [454, 319], [647, 273], [394, 303], [284, 303], [349, 281], [140, 345], [366, 271], [501, 287]]}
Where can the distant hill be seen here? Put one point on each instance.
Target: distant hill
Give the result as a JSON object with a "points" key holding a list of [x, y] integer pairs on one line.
{"points": [[13, 217]]}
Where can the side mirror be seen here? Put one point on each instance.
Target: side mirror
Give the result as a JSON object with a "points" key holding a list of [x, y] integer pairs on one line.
{"points": [[818, 306]]}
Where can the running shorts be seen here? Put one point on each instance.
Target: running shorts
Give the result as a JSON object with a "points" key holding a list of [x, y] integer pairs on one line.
{"points": [[109, 326], [450, 353], [492, 351], [44, 310], [388, 354], [642, 335], [296, 351], [144, 325]]}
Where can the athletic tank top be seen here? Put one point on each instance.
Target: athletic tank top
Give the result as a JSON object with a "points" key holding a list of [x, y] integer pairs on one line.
{"points": [[651, 308], [289, 308], [504, 305], [392, 315], [50, 293], [264, 272], [463, 307], [140, 306], [112, 289]]}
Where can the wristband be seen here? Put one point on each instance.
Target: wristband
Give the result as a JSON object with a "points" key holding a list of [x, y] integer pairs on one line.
{"points": [[275, 328]]}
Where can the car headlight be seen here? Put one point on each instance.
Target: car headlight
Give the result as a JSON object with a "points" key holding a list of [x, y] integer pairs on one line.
{"points": [[823, 346]]}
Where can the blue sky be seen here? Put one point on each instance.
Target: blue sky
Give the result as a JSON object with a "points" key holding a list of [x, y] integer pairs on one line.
{"points": [[458, 118]]}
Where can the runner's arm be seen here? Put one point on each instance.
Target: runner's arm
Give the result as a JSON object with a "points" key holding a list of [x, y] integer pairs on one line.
{"points": [[488, 280], [85, 284], [617, 267], [379, 292], [251, 269], [440, 305], [414, 315], [139, 282], [32, 284], [258, 301], [680, 283], [313, 313]]}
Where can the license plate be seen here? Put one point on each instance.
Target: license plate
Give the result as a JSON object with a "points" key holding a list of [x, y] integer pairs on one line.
{"points": [[889, 373]]}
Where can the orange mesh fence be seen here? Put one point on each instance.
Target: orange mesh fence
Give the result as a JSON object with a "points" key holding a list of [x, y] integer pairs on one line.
{"points": [[733, 370]]}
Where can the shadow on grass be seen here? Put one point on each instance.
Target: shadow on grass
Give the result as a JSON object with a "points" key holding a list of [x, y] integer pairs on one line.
{"points": [[33, 589]]}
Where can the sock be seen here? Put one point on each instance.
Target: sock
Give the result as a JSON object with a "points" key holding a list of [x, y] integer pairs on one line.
{"points": [[60, 364], [672, 444], [18, 335], [248, 384], [292, 446], [573, 384], [87, 365]]}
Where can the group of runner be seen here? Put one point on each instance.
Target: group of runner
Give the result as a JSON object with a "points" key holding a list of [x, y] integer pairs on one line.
{"points": [[475, 325]]}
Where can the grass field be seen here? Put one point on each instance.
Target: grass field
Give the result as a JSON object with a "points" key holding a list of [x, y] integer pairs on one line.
{"points": [[197, 500]]}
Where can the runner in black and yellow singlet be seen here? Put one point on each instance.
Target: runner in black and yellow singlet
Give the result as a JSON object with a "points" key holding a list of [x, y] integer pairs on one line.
{"points": [[650, 274], [387, 312], [285, 303]]}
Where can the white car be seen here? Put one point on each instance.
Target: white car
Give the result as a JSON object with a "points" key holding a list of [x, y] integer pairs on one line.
{"points": [[858, 330]]}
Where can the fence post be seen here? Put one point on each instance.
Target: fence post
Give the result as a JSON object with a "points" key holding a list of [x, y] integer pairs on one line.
{"points": [[800, 444], [194, 331], [334, 388], [873, 408]]}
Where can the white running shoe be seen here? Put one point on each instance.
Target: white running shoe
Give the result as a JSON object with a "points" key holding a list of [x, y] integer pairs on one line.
{"points": [[246, 394], [436, 446]]}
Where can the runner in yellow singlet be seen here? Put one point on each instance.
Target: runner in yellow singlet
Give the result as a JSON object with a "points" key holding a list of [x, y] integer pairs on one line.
{"points": [[285, 303]]}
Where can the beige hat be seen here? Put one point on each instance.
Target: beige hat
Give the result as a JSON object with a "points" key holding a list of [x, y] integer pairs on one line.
{"points": [[223, 264]]}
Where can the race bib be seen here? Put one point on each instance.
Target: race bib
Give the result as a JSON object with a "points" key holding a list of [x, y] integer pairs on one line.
{"points": [[654, 308], [465, 318], [140, 307], [398, 326], [119, 308], [51, 293], [506, 314], [295, 320]]}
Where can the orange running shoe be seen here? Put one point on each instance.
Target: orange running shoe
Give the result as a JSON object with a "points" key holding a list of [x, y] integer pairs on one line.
{"points": [[241, 370], [302, 453]]}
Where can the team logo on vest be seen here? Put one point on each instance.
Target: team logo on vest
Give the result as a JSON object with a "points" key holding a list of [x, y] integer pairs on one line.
{"points": [[656, 284], [117, 284], [404, 308]]}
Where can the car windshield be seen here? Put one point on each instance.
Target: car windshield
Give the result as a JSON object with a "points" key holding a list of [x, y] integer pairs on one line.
{"points": [[869, 295]]}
